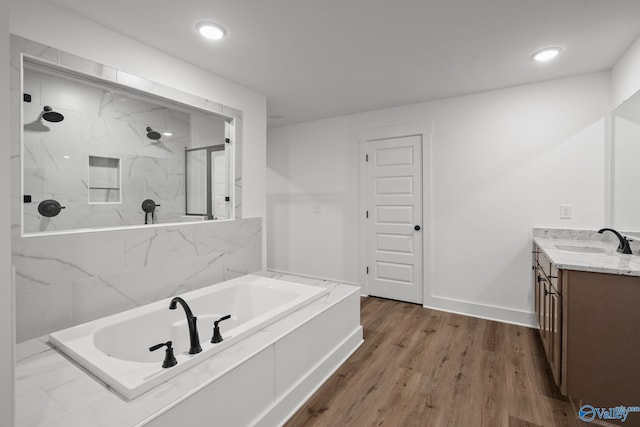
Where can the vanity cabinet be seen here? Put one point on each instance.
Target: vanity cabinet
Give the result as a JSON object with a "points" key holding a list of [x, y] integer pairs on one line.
{"points": [[548, 300], [589, 324]]}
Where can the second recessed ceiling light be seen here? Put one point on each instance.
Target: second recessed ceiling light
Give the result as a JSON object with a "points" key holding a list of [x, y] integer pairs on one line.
{"points": [[211, 31], [546, 54]]}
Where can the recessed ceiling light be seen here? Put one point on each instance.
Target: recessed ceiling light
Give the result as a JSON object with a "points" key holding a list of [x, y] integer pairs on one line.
{"points": [[211, 31], [167, 133], [546, 54]]}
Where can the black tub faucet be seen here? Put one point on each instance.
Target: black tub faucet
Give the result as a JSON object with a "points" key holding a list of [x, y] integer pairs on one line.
{"points": [[191, 321], [623, 247]]}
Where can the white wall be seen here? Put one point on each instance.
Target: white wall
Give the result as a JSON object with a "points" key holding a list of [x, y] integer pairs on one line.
{"points": [[502, 163], [6, 293], [313, 164], [626, 213], [42, 21], [624, 75]]}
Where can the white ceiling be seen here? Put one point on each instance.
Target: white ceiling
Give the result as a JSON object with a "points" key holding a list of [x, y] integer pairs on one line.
{"points": [[321, 58]]}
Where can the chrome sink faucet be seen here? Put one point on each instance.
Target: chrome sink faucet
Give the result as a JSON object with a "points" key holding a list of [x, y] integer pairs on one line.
{"points": [[191, 321], [623, 247]]}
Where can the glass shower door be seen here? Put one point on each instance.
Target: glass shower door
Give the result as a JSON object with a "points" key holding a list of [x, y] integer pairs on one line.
{"points": [[206, 181]]}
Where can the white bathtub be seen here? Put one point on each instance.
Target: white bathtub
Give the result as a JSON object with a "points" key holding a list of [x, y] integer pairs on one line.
{"points": [[116, 348]]}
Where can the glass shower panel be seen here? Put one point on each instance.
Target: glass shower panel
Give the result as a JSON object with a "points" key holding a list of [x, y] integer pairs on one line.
{"points": [[196, 174], [219, 184], [207, 184]]}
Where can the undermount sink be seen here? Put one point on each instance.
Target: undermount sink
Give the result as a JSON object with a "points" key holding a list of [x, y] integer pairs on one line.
{"points": [[580, 249]]}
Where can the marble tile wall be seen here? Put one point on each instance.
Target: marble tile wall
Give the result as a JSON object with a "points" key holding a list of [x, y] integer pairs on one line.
{"points": [[68, 279], [132, 114], [102, 123]]}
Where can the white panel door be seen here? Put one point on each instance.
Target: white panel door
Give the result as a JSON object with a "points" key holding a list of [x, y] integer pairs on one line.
{"points": [[394, 205]]}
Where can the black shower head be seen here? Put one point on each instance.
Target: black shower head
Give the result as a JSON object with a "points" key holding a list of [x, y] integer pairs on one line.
{"points": [[51, 116], [152, 134]]}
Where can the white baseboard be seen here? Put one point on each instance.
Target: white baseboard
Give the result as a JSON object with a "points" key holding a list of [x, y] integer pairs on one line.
{"points": [[488, 312]]}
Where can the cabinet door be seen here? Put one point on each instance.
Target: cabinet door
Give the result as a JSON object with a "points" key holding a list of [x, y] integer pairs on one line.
{"points": [[545, 310], [539, 295], [554, 342]]}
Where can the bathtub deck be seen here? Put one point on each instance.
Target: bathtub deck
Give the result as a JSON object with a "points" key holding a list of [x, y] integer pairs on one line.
{"points": [[53, 391]]}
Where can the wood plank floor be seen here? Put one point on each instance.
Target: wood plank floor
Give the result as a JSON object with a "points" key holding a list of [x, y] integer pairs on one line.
{"points": [[420, 367]]}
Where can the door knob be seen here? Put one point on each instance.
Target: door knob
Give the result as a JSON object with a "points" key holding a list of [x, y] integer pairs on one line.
{"points": [[417, 228]]}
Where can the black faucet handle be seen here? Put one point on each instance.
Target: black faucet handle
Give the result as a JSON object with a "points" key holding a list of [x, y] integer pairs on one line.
{"points": [[624, 245], [228, 316], [217, 337], [169, 344], [169, 357]]}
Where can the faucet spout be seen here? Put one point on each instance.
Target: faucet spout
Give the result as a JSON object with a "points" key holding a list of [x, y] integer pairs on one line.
{"points": [[623, 247], [194, 340]]}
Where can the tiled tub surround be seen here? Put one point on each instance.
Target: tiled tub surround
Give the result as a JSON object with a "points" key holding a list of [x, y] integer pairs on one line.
{"points": [[595, 252], [116, 348], [260, 381], [150, 158], [68, 279]]}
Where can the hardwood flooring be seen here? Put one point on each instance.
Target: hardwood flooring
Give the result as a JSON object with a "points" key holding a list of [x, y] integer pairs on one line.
{"points": [[420, 367]]}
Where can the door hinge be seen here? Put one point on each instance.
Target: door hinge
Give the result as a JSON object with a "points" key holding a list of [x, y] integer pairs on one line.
{"points": [[227, 140], [367, 270], [367, 213], [227, 198], [366, 158]]}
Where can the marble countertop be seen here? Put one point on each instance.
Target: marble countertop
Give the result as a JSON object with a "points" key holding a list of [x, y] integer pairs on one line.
{"points": [[586, 250], [53, 391]]}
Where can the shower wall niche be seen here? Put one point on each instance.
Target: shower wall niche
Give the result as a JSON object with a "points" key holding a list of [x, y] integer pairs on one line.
{"points": [[101, 149], [104, 180]]}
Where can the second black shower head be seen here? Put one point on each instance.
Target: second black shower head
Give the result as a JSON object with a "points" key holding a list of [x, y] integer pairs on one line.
{"points": [[51, 116], [152, 134]]}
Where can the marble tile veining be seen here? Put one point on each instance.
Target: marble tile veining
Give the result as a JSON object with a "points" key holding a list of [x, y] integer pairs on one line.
{"points": [[67, 279], [586, 250], [31, 348], [36, 408], [41, 310]]}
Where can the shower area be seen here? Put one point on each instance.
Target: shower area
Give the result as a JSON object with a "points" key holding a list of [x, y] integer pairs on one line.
{"points": [[97, 154]]}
